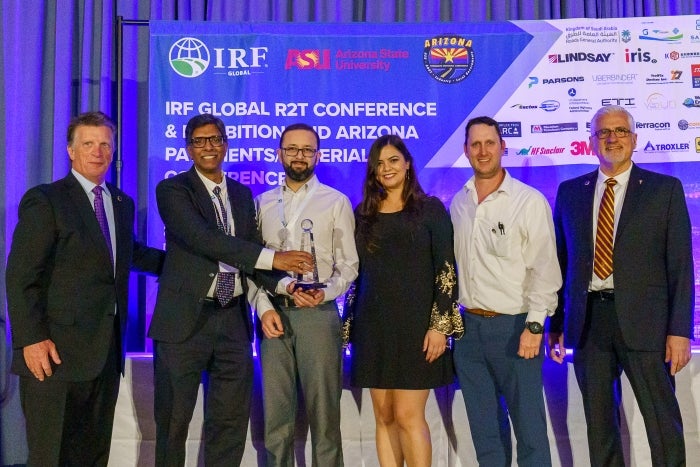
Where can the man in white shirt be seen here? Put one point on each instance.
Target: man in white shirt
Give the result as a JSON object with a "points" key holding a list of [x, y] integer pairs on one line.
{"points": [[508, 277], [303, 345]]}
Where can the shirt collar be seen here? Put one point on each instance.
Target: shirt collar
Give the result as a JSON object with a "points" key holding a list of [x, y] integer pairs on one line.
{"points": [[87, 184], [621, 178], [310, 183], [210, 185], [505, 187]]}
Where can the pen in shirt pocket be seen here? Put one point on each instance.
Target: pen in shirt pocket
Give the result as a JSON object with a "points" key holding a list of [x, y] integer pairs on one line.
{"points": [[501, 228]]}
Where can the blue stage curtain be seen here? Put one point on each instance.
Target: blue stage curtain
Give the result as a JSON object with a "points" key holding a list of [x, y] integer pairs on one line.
{"points": [[58, 59]]}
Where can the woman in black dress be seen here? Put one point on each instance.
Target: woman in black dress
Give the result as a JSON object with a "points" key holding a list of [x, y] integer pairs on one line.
{"points": [[404, 302]]}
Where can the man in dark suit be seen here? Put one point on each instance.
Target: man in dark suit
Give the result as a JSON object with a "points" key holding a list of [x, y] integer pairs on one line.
{"points": [[202, 321], [67, 280], [627, 301]]}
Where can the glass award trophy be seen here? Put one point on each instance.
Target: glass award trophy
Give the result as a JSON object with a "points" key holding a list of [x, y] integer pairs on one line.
{"points": [[309, 280]]}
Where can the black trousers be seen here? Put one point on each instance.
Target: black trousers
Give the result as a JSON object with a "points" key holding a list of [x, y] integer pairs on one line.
{"points": [[70, 423], [220, 349], [598, 364]]}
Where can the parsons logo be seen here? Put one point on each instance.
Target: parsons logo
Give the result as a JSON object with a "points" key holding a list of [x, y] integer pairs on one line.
{"points": [[448, 58], [189, 57], [310, 59]]}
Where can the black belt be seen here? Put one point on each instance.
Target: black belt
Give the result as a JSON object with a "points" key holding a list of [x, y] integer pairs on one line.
{"points": [[602, 295], [214, 303]]}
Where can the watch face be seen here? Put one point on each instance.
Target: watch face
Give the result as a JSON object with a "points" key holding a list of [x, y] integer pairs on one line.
{"points": [[535, 328]]}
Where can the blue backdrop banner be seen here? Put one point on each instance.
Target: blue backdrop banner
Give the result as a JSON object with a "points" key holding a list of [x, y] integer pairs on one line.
{"points": [[542, 80]]}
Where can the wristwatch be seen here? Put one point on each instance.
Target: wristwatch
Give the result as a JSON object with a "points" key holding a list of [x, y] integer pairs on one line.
{"points": [[534, 327]]}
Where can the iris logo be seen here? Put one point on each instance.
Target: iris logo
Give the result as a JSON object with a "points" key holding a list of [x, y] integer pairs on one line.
{"points": [[189, 57]]}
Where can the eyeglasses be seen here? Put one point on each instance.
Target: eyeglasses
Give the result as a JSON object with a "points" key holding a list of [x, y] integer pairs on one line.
{"points": [[293, 151], [201, 141], [606, 132]]}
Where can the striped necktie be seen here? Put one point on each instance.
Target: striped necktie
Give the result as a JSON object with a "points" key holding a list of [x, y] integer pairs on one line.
{"points": [[603, 258], [225, 281]]}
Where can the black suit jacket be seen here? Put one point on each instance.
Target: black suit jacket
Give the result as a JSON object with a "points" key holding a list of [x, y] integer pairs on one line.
{"points": [[60, 281], [652, 259], [194, 247]]}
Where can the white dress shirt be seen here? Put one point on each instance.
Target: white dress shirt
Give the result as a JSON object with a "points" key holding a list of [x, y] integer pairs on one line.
{"points": [[280, 213], [505, 250], [619, 190]]}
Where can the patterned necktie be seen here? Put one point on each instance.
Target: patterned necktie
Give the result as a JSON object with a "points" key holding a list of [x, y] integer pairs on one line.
{"points": [[102, 219], [225, 281], [602, 260]]}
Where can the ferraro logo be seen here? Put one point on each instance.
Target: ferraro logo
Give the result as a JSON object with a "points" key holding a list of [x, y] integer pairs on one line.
{"points": [[448, 58], [189, 57]]}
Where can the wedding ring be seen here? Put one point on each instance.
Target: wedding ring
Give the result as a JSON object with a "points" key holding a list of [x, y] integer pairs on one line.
{"points": [[300, 263]]}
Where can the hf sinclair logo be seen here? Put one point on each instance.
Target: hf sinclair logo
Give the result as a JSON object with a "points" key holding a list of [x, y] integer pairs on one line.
{"points": [[448, 58], [189, 57]]}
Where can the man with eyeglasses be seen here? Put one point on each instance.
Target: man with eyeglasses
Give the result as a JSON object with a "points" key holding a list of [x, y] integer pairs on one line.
{"points": [[202, 320], [624, 246], [302, 344]]}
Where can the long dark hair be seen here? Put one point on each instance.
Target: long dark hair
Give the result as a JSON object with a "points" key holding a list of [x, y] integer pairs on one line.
{"points": [[373, 192]]}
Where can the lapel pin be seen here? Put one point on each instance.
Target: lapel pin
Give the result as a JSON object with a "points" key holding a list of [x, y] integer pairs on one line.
{"points": [[640, 181], [587, 182], [119, 198]]}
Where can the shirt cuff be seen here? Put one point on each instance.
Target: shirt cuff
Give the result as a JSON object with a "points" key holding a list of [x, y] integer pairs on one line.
{"points": [[265, 259], [537, 317], [281, 288]]}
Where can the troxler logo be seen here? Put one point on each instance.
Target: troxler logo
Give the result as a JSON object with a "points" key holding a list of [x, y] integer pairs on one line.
{"points": [[448, 58], [189, 57]]}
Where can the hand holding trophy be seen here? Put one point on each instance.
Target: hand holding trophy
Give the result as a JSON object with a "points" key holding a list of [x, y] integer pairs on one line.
{"points": [[309, 280]]}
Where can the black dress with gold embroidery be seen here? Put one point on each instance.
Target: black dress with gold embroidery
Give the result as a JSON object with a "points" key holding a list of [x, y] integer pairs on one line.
{"points": [[405, 287]]}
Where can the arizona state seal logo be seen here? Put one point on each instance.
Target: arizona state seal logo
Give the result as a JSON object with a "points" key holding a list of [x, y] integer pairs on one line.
{"points": [[448, 58]]}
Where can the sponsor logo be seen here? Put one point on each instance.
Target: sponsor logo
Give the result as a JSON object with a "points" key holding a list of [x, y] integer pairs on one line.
{"points": [[695, 74], [448, 58], [661, 35], [692, 102], [579, 57], [621, 101], [538, 151], [621, 78], [553, 127], [571, 92], [549, 105], [533, 80], [510, 129], [675, 55], [638, 56], [591, 34], [579, 104], [697, 144], [694, 38], [580, 148], [652, 125], [626, 36], [686, 125], [189, 57], [308, 59], [567, 79], [673, 77], [666, 147], [524, 107], [658, 101]]}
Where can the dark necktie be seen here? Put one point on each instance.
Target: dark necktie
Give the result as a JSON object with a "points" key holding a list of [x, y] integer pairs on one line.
{"points": [[225, 281], [603, 259], [102, 219]]}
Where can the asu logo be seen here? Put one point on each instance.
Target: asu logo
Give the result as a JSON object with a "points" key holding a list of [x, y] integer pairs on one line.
{"points": [[448, 58], [310, 59]]}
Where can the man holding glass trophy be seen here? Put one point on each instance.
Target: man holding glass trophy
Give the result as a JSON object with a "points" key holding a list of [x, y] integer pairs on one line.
{"points": [[302, 344]]}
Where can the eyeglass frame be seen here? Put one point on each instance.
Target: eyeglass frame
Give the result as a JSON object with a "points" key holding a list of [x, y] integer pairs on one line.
{"points": [[285, 152], [604, 133], [204, 140]]}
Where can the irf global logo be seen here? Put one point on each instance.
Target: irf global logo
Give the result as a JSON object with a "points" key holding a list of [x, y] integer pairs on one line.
{"points": [[309, 59], [189, 57]]}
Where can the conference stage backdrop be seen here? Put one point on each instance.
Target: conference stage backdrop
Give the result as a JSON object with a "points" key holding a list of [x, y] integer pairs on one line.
{"points": [[542, 80]]}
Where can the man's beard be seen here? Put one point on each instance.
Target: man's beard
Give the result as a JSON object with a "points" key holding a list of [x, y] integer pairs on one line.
{"points": [[298, 176]]}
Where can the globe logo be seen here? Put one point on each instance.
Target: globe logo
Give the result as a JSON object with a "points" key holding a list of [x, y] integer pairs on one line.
{"points": [[189, 57]]}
